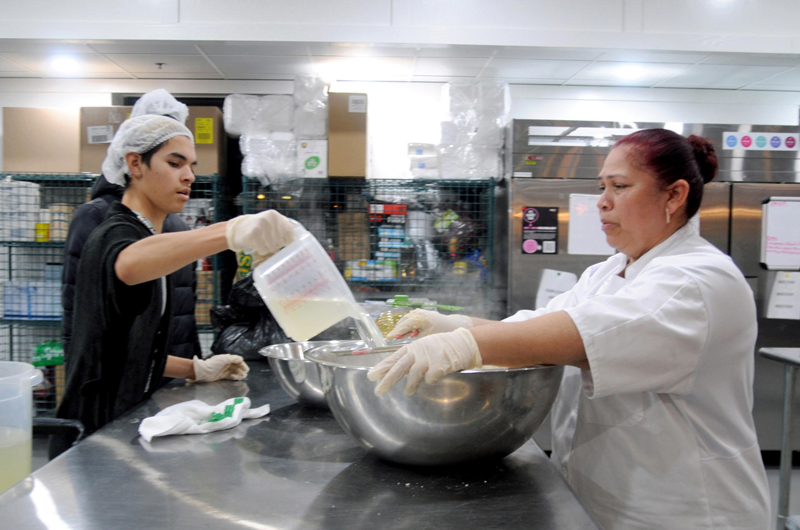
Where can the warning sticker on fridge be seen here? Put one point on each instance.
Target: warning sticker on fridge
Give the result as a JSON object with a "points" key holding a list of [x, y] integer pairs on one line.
{"points": [[539, 230], [760, 141]]}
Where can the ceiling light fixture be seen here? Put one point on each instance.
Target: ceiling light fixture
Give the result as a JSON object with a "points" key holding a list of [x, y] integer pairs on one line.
{"points": [[630, 72], [65, 64]]}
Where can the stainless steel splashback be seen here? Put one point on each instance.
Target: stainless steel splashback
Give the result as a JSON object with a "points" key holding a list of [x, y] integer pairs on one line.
{"points": [[575, 150]]}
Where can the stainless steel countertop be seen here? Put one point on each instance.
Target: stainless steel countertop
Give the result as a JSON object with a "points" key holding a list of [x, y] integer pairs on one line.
{"points": [[293, 469]]}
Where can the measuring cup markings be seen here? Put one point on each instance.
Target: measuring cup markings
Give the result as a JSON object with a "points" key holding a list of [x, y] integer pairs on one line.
{"points": [[291, 265], [302, 298]]}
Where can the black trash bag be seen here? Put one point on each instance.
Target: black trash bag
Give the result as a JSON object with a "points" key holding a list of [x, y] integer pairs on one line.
{"points": [[245, 325]]}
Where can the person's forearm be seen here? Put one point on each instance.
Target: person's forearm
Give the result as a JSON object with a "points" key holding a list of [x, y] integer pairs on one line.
{"points": [[548, 339], [179, 367], [163, 254], [481, 321]]}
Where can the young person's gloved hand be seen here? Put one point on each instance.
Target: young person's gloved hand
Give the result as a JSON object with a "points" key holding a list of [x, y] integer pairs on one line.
{"points": [[262, 233], [430, 358], [427, 323], [224, 366]]}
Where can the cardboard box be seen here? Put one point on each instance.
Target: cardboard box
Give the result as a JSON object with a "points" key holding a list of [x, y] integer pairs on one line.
{"points": [[312, 158], [99, 124], [353, 236], [210, 140], [347, 135], [40, 139], [97, 128]]}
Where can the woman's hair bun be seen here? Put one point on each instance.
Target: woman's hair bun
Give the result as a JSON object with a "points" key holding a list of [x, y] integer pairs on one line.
{"points": [[706, 157]]}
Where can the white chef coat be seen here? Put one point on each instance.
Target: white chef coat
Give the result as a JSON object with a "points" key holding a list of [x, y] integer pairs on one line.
{"points": [[663, 434]]}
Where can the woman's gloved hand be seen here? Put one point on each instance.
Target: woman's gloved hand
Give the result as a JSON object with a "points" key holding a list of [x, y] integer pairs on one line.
{"points": [[224, 366], [263, 233], [427, 323], [430, 358]]}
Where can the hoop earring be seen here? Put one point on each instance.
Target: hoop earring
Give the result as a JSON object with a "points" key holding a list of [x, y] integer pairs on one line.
{"points": [[667, 215]]}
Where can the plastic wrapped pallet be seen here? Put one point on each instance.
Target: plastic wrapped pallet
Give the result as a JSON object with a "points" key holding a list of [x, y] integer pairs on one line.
{"points": [[270, 157], [487, 99], [469, 162], [237, 111], [311, 121], [310, 89], [19, 210], [274, 114]]}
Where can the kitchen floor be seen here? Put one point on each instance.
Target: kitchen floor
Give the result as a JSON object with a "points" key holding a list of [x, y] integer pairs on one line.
{"points": [[40, 459]]}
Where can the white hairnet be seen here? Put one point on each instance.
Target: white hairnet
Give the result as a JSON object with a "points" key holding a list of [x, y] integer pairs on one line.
{"points": [[138, 135], [161, 102]]}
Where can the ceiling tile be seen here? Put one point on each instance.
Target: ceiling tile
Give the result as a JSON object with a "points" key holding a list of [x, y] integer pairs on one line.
{"points": [[652, 56], [604, 73], [42, 62], [147, 47], [42, 46], [262, 48], [721, 76], [790, 78], [171, 63], [753, 59], [446, 67], [177, 75], [456, 51], [235, 66], [521, 68], [7, 65], [366, 50], [557, 54]]}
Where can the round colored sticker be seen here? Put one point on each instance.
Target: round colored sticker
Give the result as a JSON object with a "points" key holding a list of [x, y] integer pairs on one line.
{"points": [[761, 141], [530, 246], [775, 142], [312, 162], [731, 140], [747, 141], [790, 142]]}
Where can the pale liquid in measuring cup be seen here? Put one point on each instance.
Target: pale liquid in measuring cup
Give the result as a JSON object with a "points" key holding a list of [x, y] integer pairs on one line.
{"points": [[310, 317], [15, 456]]}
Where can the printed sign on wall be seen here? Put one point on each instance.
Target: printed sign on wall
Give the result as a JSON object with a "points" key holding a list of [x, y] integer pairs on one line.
{"points": [[760, 141], [539, 230]]}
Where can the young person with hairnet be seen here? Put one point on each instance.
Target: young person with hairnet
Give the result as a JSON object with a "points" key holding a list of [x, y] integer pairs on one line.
{"points": [[662, 434], [118, 354], [183, 339]]}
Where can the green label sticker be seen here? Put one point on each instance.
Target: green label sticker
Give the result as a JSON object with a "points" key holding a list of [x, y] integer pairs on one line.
{"points": [[312, 162], [48, 353], [228, 411]]}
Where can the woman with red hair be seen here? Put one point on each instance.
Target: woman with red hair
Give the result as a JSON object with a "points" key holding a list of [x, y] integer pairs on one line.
{"points": [[654, 428]]}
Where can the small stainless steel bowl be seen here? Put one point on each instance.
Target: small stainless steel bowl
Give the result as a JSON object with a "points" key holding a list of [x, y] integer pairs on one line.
{"points": [[296, 375], [469, 415]]}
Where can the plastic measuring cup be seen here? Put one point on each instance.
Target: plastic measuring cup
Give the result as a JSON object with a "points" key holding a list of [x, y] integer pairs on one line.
{"points": [[305, 292], [16, 413]]}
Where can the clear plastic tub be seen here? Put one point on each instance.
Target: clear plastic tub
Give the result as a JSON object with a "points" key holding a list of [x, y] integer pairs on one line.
{"points": [[16, 412], [306, 294]]}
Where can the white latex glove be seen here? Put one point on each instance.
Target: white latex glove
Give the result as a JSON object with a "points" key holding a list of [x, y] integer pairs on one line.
{"points": [[430, 358], [263, 233], [427, 323], [224, 366]]}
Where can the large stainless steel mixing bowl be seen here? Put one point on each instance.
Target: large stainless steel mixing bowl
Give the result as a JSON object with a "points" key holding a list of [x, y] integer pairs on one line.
{"points": [[297, 376], [469, 415]]}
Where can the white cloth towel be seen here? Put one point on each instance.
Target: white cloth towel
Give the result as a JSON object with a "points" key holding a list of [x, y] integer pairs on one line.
{"points": [[196, 417]]}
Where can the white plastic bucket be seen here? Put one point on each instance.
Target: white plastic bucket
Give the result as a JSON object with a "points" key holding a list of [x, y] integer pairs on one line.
{"points": [[16, 412]]}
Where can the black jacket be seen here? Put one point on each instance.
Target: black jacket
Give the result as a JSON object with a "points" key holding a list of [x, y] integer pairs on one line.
{"points": [[183, 340], [118, 351]]}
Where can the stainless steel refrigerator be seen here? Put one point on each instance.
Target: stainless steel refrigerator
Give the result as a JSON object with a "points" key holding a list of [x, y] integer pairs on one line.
{"points": [[547, 161]]}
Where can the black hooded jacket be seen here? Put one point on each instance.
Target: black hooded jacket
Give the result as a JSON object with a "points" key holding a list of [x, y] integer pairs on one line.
{"points": [[183, 340]]}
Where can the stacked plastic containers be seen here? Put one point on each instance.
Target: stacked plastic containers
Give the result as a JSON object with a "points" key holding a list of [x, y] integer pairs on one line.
{"points": [[270, 127], [476, 114]]}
